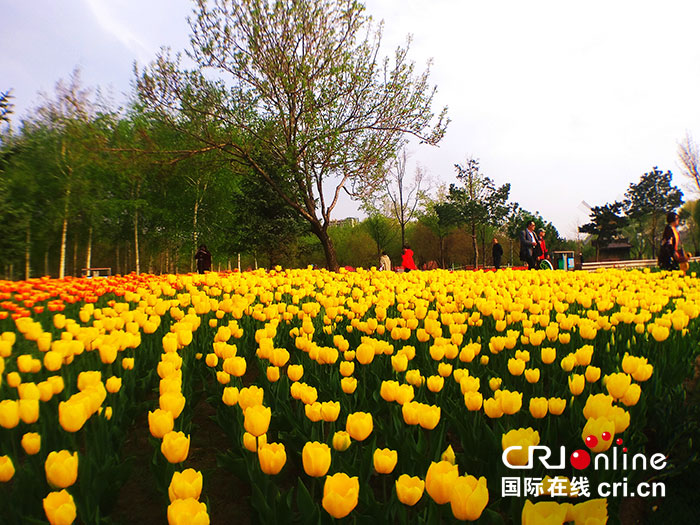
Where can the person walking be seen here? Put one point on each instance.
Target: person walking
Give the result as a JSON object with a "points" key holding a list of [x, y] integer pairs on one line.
{"points": [[528, 241], [496, 253], [407, 259], [203, 258], [384, 263], [671, 254]]}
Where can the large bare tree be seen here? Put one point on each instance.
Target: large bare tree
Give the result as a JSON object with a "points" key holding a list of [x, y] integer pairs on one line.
{"points": [[300, 82], [689, 155]]}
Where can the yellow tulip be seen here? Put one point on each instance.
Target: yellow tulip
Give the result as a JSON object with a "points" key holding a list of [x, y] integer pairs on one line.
{"points": [[272, 457], [576, 384], [532, 375], [330, 410], [340, 494], [538, 407], [316, 458], [516, 366], [9, 413], [187, 512], [598, 405], [173, 402], [556, 405], [185, 484], [543, 513], [449, 455], [61, 469], [473, 401], [113, 384], [59, 508], [399, 362], [592, 374], [257, 419], [440, 480], [31, 443], [348, 384], [72, 415], [493, 408], [295, 372], [435, 383], [230, 396], [385, 460], [409, 489], [617, 384], [591, 511], [359, 425], [29, 410], [341, 441], [175, 446], [160, 422], [548, 355], [7, 469], [522, 437], [511, 402], [469, 497], [632, 395], [313, 412], [596, 427], [429, 416]]}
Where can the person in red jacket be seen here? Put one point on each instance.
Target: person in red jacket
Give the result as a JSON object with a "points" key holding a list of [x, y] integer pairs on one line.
{"points": [[407, 259], [541, 248]]}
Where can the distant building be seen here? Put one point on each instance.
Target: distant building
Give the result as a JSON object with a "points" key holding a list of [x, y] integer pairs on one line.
{"points": [[348, 221], [615, 250]]}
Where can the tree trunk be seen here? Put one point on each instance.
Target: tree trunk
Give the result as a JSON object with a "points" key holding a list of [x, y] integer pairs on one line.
{"points": [[511, 252], [239, 262], [475, 245], [46, 262], [27, 252], [62, 258], [88, 255], [116, 258], [75, 256], [328, 248], [194, 233], [136, 241]]}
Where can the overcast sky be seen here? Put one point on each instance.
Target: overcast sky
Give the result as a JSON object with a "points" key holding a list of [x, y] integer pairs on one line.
{"points": [[568, 101]]}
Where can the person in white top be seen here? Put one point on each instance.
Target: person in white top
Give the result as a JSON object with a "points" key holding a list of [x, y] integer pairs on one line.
{"points": [[384, 262]]}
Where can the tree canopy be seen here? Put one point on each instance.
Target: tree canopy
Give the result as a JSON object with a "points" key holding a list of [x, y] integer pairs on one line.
{"points": [[300, 83]]}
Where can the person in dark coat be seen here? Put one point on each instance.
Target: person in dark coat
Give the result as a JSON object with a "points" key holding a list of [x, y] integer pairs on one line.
{"points": [[528, 241], [203, 258], [671, 252], [497, 253]]}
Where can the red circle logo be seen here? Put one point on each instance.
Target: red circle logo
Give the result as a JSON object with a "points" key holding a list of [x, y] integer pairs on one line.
{"points": [[591, 441], [580, 459]]}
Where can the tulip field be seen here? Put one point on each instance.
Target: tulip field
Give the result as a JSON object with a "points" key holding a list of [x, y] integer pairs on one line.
{"points": [[360, 396]]}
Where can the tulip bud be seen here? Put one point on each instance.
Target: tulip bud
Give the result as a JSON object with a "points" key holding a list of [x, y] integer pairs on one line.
{"points": [[341, 441], [31, 443]]}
